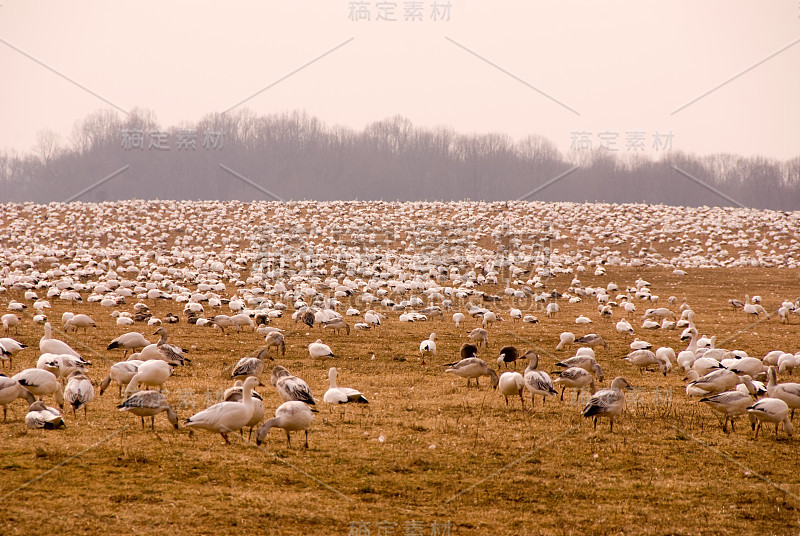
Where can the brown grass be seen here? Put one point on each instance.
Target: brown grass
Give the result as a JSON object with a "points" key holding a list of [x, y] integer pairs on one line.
{"points": [[449, 455]]}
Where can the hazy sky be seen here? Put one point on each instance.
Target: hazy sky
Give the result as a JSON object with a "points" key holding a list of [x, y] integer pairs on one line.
{"points": [[560, 67]]}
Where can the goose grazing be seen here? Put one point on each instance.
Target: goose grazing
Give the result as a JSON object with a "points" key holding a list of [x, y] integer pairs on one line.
{"points": [[715, 381], [512, 384], [10, 390], [61, 365], [290, 388], [128, 341], [755, 310], [275, 338], [79, 321], [42, 417], [40, 382], [788, 392], [336, 324], [481, 336], [592, 339], [428, 347], [250, 366], [575, 378], [458, 318], [341, 395], [9, 321], [151, 373], [771, 410], [49, 345], [508, 354], [586, 362], [643, 359], [235, 394], [121, 373], [226, 417], [149, 404], [292, 416], [730, 404], [565, 339], [10, 346], [473, 367], [468, 350], [623, 326], [169, 352], [317, 349], [536, 381], [607, 402], [78, 392]]}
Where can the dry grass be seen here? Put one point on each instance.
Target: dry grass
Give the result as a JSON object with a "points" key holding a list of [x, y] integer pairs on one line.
{"points": [[449, 455]]}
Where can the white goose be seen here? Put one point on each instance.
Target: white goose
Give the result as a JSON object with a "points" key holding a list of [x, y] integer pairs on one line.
{"points": [[226, 417], [40, 382], [49, 345], [536, 381], [772, 410], [153, 373], [121, 373], [10, 390], [565, 339], [79, 321], [341, 395], [473, 367], [275, 338], [78, 392], [149, 404], [318, 349], [235, 394], [128, 341], [730, 404], [428, 347], [607, 402], [292, 416], [290, 388], [575, 378], [9, 347], [43, 417], [788, 392], [512, 384]]}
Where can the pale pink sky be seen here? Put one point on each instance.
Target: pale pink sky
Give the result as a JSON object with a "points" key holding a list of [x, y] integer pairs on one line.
{"points": [[623, 66]]}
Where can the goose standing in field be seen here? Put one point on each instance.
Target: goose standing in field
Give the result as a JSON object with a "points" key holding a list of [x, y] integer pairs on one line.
{"points": [[643, 359], [153, 373], [128, 341], [289, 387], [428, 347], [226, 417], [755, 310], [292, 416], [42, 417], [473, 367], [512, 384], [788, 392], [341, 395], [79, 321], [275, 338], [715, 381], [772, 410], [78, 392], [623, 326], [250, 366], [235, 394], [592, 339], [607, 402], [10, 390], [537, 382], [730, 404], [61, 365], [40, 382], [9, 321], [575, 378], [9, 347], [149, 404], [458, 318], [508, 354], [565, 339], [318, 349], [170, 352], [481, 336], [586, 362], [49, 345], [121, 373]]}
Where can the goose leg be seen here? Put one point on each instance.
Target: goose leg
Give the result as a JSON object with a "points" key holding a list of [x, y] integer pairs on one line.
{"points": [[288, 439], [225, 437], [563, 388], [306, 445]]}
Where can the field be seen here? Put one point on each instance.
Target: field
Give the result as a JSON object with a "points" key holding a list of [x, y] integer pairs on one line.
{"points": [[427, 455]]}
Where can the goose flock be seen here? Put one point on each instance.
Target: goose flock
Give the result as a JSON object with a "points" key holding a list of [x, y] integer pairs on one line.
{"points": [[330, 267]]}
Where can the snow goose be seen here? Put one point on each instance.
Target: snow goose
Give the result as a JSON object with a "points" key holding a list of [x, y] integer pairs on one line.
{"points": [[583, 320], [730, 404], [9, 347], [40, 382], [318, 349], [226, 417], [565, 339], [292, 416], [78, 392], [79, 321], [788, 392], [250, 366], [9, 321], [607, 402], [458, 318], [623, 326], [121, 373], [152, 373], [341, 395], [42, 417], [235, 394], [592, 339], [771, 410], [428, 347], [716, 381], [640, 345], [473, 367], [643, 359], [512, 384], [49, 345], [290, 387], [536, 381], [481, 336], [10, 390], [149, 404], [575, 378], [586, 362], [750, 366], [61, 365], [508, 354], [169, 352], [275, 338]]}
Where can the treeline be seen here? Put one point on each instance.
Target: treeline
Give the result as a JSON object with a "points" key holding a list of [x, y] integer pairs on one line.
{"points": [[295, 156]]}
